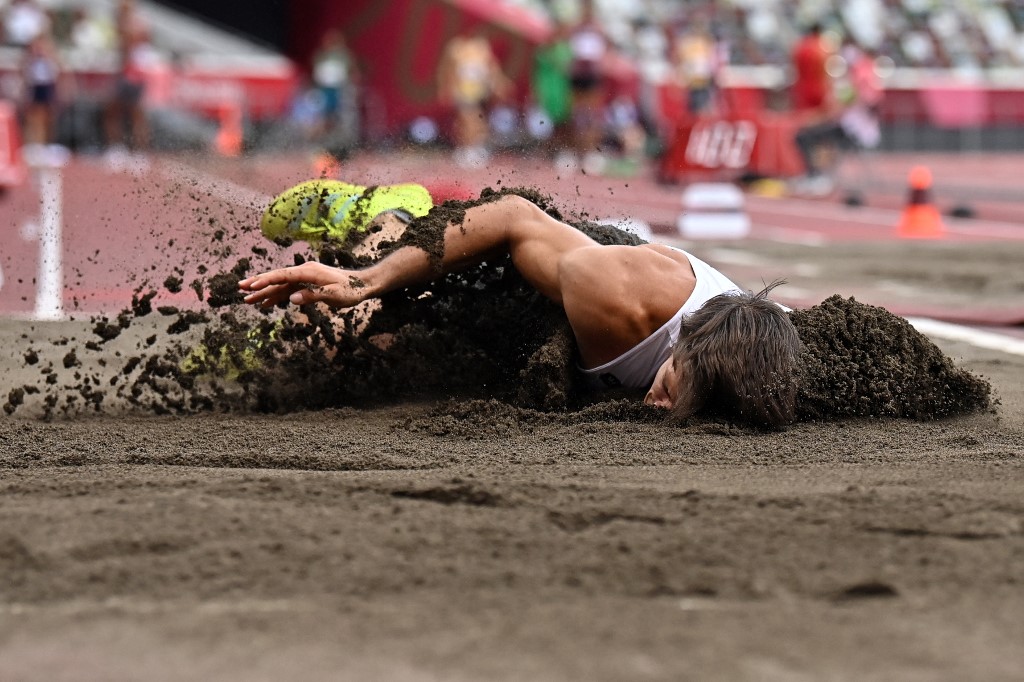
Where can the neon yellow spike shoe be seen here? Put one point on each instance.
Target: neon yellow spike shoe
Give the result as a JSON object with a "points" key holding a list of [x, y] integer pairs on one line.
{"points": [[316, 211]]}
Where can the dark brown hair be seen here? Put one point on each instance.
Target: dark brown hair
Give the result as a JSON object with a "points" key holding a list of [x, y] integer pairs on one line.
{"points": [[737, 357]]}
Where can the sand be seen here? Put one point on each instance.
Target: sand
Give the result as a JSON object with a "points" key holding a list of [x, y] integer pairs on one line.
{"points": [[348, 544], [423, 540]]}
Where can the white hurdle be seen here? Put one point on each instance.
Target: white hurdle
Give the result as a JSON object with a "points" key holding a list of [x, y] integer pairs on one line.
{"points": [[47, 161]]}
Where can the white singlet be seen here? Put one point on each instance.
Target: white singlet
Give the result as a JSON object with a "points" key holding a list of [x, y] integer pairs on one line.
{"points": [[637, 366]]}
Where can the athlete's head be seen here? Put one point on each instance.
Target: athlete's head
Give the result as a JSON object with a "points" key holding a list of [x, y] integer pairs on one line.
{"points": [[736, 356]]}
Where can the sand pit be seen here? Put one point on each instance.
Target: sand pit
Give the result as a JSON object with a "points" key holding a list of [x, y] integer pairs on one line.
{"points": [[420, 540], [391, 544]]}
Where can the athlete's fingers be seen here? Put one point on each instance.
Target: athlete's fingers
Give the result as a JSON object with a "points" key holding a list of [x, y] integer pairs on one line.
{"points": [[258, 294], [272, 278], [302, 284], [271, 295], [307, 273]]}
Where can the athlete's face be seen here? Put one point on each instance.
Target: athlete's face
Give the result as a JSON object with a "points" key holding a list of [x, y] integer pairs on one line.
{"points": [[665, 388]]}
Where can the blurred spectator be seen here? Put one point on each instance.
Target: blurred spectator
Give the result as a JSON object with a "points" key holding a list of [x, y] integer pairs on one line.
{"points": [[813, 98], [334, 74], [589, 47], [697, 61], [861, 96], [917, 33], [551, 88], [469, 79], [126, 116], [41, 72], [24, 21]]}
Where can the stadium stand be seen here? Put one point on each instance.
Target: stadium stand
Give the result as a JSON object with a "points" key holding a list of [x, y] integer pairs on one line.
{"points": [[954, 68], [914, 33], [193, 70]]}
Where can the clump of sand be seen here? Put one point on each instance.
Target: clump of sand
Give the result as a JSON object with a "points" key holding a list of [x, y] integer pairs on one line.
{"points": [[863, 361]]}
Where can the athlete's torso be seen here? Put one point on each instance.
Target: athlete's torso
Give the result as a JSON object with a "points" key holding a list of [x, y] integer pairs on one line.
{"points": [[637, 366]]}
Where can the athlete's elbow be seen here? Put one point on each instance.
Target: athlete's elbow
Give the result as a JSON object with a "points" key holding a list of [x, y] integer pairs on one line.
{"points": [[517, 204], [520, 213]]}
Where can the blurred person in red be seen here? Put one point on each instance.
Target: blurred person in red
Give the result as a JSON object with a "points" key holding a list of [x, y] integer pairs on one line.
{"points": [[815, 106], [848, 119], [469, 79], [41, 72], [812, 85]]}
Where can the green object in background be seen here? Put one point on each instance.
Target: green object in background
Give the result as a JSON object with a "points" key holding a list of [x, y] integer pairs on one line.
{"points": [[551, 80]]}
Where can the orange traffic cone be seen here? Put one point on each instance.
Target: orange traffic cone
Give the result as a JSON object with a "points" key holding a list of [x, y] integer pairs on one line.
{"points": [[228, 141], [920, 219]]}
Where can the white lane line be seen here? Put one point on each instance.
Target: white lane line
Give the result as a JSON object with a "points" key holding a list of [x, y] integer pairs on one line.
{"points": [[975, 337]]}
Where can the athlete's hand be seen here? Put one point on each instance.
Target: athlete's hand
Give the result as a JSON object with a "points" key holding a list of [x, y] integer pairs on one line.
{"points": [[306, 283]]}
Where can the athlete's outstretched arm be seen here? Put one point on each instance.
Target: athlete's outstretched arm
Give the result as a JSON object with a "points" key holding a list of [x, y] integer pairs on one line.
{"points": [[511, 225]]}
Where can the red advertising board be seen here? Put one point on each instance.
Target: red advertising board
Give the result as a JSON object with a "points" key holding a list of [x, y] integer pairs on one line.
{"points": [[730, 146]]}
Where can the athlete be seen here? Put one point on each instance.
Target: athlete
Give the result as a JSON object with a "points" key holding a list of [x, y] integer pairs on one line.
{"points": [[648, 317]]}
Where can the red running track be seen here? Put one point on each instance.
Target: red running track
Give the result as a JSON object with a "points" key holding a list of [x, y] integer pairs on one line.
{"points": [[129, 227]]}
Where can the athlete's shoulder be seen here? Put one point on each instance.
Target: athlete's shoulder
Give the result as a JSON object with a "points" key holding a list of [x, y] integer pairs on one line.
{"points": [[663, 249], [677, 255]]}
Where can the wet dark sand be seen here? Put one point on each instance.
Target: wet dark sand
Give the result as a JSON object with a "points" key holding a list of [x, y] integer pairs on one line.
{"points": [[378, 545]]}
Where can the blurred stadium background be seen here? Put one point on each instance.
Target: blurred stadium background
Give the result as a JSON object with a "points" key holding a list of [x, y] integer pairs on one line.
{"points": [[953, 69]]}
